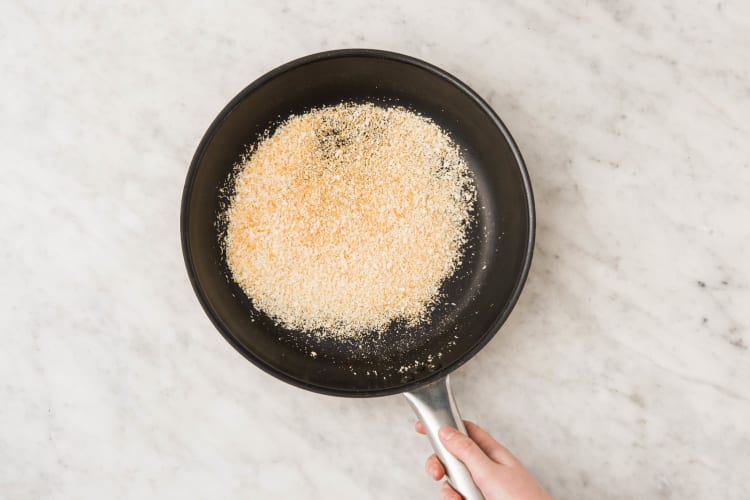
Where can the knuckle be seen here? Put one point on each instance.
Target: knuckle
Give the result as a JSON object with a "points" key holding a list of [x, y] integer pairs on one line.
{"points": [[465, 445]]}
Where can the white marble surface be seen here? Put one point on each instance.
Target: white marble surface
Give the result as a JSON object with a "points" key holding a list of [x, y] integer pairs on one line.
{"points": [[624, 371]]}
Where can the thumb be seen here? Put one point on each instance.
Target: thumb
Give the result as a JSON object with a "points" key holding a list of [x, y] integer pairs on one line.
{"points": [[466, 450]]}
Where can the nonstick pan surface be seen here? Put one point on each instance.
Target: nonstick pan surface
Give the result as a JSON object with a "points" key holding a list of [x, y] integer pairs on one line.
{"points": [[477, 299]]}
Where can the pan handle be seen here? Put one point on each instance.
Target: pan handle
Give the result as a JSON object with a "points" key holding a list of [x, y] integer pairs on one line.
{"points": [[434, 405]]}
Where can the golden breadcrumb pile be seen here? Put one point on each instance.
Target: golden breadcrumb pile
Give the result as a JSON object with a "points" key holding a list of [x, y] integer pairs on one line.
{"points": [[348, 217]]}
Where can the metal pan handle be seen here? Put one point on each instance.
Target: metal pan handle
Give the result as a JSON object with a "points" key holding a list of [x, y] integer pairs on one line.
{"points": [[435, 407]]}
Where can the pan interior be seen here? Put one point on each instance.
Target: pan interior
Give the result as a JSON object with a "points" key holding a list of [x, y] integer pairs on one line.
{"points": [[477, 297]]}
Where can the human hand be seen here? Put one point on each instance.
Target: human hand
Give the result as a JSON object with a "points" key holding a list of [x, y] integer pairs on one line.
{"points": [[496, 472]]}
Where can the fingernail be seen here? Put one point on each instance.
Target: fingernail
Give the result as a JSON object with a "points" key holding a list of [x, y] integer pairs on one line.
{"points": [[446, 433]]}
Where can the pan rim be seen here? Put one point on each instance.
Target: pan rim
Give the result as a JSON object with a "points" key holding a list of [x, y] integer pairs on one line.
{"points": [[334, 54]]}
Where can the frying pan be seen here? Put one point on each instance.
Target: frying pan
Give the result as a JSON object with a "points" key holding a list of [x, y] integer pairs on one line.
{"points": [[476, 300]]}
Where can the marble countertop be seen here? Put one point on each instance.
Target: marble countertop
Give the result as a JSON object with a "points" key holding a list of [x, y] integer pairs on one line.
{"points": [[624, 371]]}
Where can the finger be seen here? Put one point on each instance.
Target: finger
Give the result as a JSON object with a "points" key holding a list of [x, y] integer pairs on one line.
{"points": [[466, 450], [419, 427], [448, 493], [489, 445], [434, 468]]}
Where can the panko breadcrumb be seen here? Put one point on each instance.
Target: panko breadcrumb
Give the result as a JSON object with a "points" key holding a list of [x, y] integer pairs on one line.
{"points": [[348, 217]]}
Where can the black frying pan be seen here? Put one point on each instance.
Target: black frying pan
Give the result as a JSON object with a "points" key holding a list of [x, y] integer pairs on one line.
{"points": [[478, 298]]}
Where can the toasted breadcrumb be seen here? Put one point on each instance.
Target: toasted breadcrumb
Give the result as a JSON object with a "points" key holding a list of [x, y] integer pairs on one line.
{"points": [[349, 217]]}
